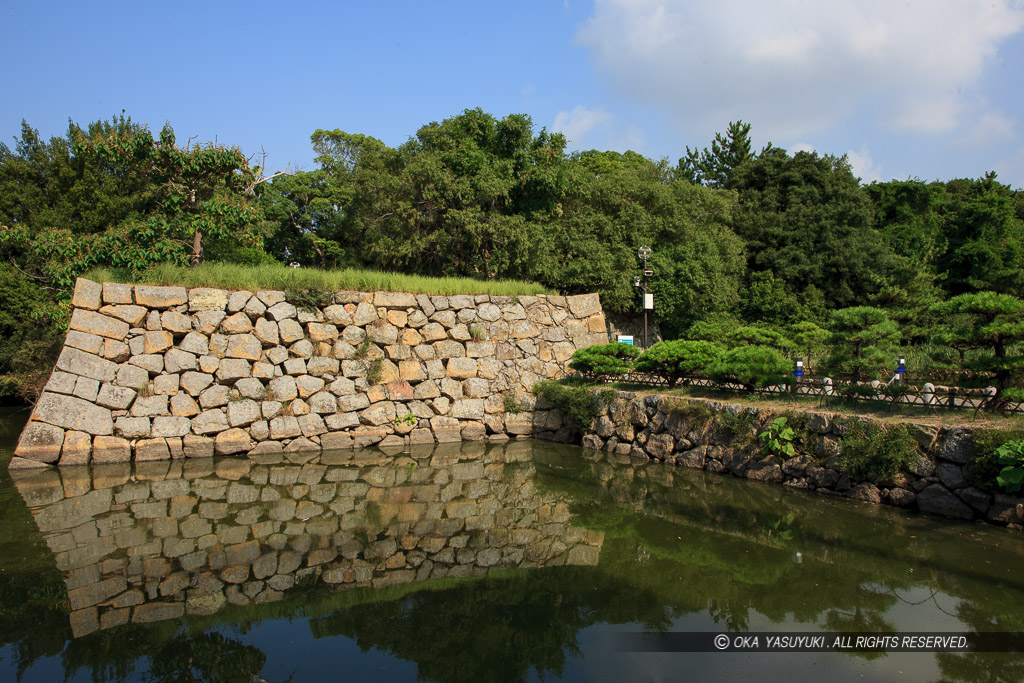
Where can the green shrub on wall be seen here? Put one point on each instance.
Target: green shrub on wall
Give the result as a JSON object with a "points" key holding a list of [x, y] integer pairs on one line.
{"points": [[983, 468], [576, 401], [875, 453]]}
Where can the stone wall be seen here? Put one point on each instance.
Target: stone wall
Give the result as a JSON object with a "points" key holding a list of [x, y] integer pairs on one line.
{"points": [[694, 433], [159, 373], [149, 541]]}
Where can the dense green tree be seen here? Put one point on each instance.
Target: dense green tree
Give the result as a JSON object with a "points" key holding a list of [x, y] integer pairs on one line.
{"points": [[615, 358], [110, 194], [122, 198], [863, 343], [460, 198], [987, 320], [616, 203], [679, 359], [716, 166], [985, 237], [754, 367], [805, 219]]}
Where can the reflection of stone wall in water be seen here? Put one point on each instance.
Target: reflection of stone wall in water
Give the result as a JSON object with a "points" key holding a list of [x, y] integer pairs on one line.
{"points": [[165, 372], [160, 540]]}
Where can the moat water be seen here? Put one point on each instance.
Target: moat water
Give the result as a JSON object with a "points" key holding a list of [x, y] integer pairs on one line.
{"points": [[476, 562]]}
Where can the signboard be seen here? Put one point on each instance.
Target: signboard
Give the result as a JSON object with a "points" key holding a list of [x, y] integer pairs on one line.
{"points": [[626, 339], [648, 301]]}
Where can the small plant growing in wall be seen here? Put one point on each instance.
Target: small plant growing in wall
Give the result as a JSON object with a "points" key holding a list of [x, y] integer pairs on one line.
{"points": [[873, 453], [144, 390], [309, 300], [1011, 456], [576, 401], [407, 419], [778, 438], [375, 370], [476, 332], [512, 404], [363, 348]]}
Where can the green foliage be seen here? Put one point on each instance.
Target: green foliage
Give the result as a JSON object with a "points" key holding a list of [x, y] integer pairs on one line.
{"points": [[310, 300], [715, 167], [777, 439], [874, 453], [696, 412], [407, 419], [363, 349], [30, 336], [808, 339], [985, 236], [805, 219], [675, 360], [740, 427], [512, 404], [281, 277], [615, 358], [374, 371], [476, 332], [715, 330], [987, 320], [576, 401], [983, 468], [754, 367], [779, 531], [863, 343], [758, 335], [1011, 456], [769, 300], [127, 199]]}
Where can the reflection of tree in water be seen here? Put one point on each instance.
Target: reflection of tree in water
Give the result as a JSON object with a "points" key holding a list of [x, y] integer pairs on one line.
{"points": [[998, 615], [173, 657], [206, 657], [33, 616], [734, 617], [495, 629]]}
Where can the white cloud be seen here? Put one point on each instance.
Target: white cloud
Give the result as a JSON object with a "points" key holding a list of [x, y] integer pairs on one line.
{"points": [[792, 67], [597, 129], [991, 127], [575, 124], [863, 166], [1011, 170], [800, 147]]}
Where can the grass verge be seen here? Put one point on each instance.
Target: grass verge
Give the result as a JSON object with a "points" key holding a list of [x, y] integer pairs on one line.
{"points": [[281, 277]]}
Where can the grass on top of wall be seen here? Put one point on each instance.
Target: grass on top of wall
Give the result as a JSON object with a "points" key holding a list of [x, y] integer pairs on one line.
{"points": [[281, 277]]}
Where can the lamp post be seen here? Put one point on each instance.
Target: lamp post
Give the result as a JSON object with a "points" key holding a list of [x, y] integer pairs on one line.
{"points": [[648, 299]]}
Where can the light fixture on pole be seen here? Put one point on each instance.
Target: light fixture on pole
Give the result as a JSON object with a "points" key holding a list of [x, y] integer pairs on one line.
{"points": [[648, 298]]}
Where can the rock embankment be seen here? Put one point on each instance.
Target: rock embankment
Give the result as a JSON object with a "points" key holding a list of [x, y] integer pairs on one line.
{"points": [[155, 373], [722, 437]]}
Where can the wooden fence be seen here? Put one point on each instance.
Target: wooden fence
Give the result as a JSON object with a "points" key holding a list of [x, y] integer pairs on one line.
{"points": [[893, 395]]}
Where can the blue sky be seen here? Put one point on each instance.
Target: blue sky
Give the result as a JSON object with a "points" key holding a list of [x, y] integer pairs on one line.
{"points": [[924, 88]]}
